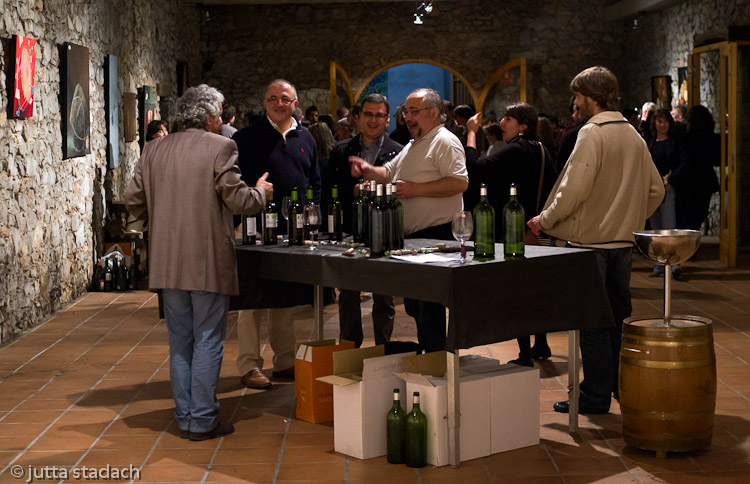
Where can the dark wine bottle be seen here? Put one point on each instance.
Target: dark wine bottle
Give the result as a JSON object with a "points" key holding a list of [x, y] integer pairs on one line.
{"points": [[124, 276], [97, 283], [116, 275], [307, 235], [399, 221], [248, 229], [371, 200], [415, 432], [390, 216], [335, 217], [378, 224], [484, 228], [514, 227], [359, 215], [395, 422], [270, 222], [296, 219], [107, 275]]}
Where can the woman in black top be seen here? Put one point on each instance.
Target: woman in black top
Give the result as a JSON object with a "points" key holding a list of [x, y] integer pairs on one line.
{"points": [[519, 161]]}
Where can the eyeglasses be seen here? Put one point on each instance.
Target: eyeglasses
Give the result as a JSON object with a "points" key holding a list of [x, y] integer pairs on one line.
{"points": [[285, 101], [413, 112], [378, 116]]}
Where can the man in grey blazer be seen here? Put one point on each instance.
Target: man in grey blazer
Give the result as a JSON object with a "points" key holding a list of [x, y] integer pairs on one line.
{"points": [[187, 185]]}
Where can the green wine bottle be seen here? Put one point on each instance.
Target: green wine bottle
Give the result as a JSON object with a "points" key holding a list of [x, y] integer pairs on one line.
{"points": [[484, 227], [395, 421], [270, 222], [335, 217], [415, 427], [296, 215], [514, 226]]}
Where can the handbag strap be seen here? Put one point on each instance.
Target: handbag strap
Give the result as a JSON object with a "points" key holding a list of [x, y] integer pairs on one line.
{"points": [[541, 179]]}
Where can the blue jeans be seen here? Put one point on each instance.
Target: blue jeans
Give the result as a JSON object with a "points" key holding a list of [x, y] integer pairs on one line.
{"points": [[196, 321], [600, 348]]}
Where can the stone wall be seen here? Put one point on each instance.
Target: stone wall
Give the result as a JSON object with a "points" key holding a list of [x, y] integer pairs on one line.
{"points": [[50, 208], [248, 46]]}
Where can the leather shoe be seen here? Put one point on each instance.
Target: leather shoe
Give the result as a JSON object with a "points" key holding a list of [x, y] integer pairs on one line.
{"points": [[287, 374], [583, 409], [523, 362], [540, 353], [220, 430], [184, 434], [255, 379]]}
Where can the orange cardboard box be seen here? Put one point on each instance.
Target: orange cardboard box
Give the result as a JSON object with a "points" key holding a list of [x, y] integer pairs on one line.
{"points": [[314, 398]]}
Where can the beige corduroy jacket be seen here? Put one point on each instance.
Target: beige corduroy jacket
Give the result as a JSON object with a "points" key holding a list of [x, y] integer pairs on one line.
{"points": [[607, 189]]}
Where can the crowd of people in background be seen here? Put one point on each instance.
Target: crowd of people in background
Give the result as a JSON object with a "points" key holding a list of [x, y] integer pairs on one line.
{"points": [[589, 183]]}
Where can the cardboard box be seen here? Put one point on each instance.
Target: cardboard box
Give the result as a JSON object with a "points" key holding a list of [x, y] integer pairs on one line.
{"points": [[315, 398], [363, 381], [496, 405]]}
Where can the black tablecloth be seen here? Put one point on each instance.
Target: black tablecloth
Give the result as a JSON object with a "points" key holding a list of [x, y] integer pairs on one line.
{"points": [[552, 289]]}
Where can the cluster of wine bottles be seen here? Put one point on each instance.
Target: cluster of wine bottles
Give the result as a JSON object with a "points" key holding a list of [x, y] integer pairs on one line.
{"points": [[378, 218], [406, 434], [270, 223], [113, 275], [514, 227]]}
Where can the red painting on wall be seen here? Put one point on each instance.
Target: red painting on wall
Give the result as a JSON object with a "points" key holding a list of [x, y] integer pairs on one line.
{"points": [[23, 85]]}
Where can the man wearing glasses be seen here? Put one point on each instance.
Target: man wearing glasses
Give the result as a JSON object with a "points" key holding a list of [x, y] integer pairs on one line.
{"points": [[431, 175], [276, 144], [373, 145]]}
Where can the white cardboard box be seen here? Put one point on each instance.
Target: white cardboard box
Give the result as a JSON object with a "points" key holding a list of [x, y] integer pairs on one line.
{"points": [[363, 381], [496, 412]]}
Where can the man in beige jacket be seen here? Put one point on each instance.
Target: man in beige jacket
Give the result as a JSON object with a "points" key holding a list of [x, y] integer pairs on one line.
{"points": [[607, 190], [187, 185]]}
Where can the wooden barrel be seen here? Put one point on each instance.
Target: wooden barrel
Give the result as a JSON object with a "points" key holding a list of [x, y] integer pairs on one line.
{"points": [[668, 383]]}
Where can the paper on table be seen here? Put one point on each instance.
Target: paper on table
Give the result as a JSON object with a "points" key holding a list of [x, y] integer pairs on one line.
{"points": [[422, 258]]}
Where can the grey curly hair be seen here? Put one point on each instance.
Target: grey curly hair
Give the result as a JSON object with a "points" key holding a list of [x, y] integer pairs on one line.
{"points": [[193, 107]]}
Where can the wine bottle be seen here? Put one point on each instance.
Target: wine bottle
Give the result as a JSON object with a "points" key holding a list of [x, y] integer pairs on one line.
{"points": [[270, 222], [390, 217], [98, 278], [514, 227], [335, 217], [372, 199], [248, 229], [307, 235], [359, 215], [296, 219], [116, 275], [378, 224], [395, 432], [415, 436], [484, 227], [107, 275], [124, 276], [399, 219]]}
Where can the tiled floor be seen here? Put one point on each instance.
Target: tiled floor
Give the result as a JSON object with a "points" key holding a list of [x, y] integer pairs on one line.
{"points": [[90, 388]]}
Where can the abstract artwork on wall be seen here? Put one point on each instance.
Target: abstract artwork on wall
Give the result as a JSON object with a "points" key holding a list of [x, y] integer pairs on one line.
{"points": [[23, 83], [75, 100], [147, 113], [111, 100]]}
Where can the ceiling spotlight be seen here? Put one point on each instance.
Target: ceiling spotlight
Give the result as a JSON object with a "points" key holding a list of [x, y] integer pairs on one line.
{"points": [[427, 8], [418, 19], [418, 16]]}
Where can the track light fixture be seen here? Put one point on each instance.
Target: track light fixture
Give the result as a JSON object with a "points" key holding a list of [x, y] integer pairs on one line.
{"points": [[426, 8]]}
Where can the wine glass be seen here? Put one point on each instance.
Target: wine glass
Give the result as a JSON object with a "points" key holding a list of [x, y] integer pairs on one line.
{"points": [[312, 221], [462, 227], [286, 202]]}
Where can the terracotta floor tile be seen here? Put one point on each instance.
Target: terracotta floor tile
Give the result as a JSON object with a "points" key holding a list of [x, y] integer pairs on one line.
{"points": [[118, 457], [310, 439], [175, 473], [235, 456], [254, 440], [173, 457], [18, 442], [32, 416], [528, 480], [522, 467], [614, 478], [256, 473], [311, 455], [46, 458], [50, 442], [16, 429], [572, 466], [377, 468], [312, 471], [645, 477]]}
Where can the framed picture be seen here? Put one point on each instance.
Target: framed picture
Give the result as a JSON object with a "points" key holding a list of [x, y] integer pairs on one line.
{"points": [[75, 100], [111, 111], [147, 111], [129, 118], [661, 91], [23, 81], [682, 84]]}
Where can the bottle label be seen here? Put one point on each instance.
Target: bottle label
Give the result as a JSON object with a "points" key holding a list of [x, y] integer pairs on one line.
{"points": [[272, 220], [300, 221], [330, 223], [108, 276], [250, 226]]}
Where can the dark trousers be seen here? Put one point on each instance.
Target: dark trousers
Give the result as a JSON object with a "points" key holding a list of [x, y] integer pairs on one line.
{"points": [[350, 317], [430, 317], [600, 348]]}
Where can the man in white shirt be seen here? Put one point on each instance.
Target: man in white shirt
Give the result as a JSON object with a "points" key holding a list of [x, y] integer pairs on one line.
{"points": [[431, 175]]}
